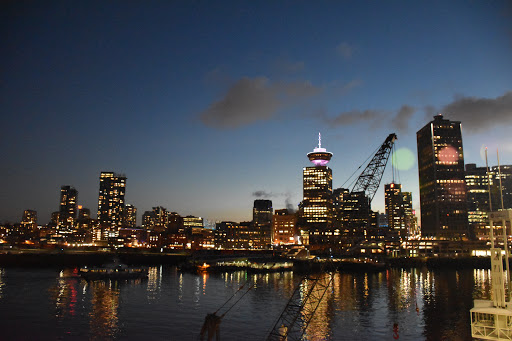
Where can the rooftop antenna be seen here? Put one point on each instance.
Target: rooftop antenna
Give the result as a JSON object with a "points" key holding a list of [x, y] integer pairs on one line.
{"points": [[319, 140]]}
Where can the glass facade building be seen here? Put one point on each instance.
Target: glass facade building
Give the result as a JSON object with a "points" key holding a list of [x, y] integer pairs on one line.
{"points": [[444, 213]]}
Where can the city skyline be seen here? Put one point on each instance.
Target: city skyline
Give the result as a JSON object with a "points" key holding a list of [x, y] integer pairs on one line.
{"points": [[207, 107]]}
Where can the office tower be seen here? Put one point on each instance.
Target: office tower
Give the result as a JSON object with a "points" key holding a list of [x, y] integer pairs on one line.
{"points": [[317, 204], [284, 228], [68, 207], [478, 181], [191, 221], [477, 184], [111, 203], [29, 220], [409, 219], [506, 184], [130, 216], [393, 199], [262, 221], [444, 212]]}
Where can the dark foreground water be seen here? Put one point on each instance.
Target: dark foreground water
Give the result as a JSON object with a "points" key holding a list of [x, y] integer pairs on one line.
{"points": [[56, 304]]}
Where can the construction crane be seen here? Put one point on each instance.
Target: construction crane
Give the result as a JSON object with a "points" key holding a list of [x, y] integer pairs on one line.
{"points": [[369, 180], [302, 305]]}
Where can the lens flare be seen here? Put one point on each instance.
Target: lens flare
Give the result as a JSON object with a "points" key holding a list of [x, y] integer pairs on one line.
{"points": [[403, 159]]}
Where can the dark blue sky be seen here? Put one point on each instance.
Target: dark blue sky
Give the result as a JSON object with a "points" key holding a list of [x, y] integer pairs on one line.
{"points": [[203, 104]]}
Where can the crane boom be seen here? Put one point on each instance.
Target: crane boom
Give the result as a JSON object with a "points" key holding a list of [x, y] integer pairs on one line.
{"points": [[301, 307], [369, 180]]}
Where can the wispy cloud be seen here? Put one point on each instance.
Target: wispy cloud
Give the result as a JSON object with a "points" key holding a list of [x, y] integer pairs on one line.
{"points": [[345, 50], [255, 99]]}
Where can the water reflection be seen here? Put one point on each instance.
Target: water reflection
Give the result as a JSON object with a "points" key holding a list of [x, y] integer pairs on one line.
{"points": [[425, 304], [65, 293], [2, 284], [103, 318]]}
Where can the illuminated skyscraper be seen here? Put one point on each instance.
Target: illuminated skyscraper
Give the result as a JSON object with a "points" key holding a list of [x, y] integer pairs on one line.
{"points": [[68, 206], [111, 203], [262, 220], [130, 216], [393, 199], [444, 212], [317, 204], [29, 220]]}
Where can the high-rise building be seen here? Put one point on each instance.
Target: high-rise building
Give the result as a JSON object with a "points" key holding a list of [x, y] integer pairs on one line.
{"points": [[393, 199], [130, 216], [262, 220], [111, 203], [29, 220], [505, 172], [409, 218], [68, 207], [444, 212], [478, 182], [317, 203]]}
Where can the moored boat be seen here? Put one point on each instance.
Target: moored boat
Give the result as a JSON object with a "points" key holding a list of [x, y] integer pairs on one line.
{"points": [[114, 270]]}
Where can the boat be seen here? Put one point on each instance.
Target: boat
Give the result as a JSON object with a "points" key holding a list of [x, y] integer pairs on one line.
{"points": [[115, 270]]}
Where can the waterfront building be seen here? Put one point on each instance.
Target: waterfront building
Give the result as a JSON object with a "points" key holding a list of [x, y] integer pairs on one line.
{"points": [[409, 217], [478, 182], [130, 216], [29, 220], [262, 220], [505, 171], [317, 204], [191, 221], [68, 207], [393, 199], [443, 202], [111, 203], [175, 223], [284, 228], [231, 235]]}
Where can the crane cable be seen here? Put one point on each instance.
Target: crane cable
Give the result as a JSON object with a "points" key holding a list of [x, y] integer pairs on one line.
{"points": [[229, 299], [364, 162]]}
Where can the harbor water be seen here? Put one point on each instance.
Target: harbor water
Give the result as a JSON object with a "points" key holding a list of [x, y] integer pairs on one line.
{"points": [[56, 304]]}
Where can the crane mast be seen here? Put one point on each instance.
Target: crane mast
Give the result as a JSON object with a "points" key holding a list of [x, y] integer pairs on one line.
{"points": [[369, 180]]}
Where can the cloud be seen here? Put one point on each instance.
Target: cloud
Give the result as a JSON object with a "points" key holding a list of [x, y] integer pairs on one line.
{"points": [[345, 50], [351, 117], [479, 114], [288, 66], [254, 99], [401, 119]]}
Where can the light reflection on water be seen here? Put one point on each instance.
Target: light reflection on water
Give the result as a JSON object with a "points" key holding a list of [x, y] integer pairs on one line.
{"points": [[426, 304]]}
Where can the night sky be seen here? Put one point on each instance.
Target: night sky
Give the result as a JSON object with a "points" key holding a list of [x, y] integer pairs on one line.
{"points": [[206, 106]]}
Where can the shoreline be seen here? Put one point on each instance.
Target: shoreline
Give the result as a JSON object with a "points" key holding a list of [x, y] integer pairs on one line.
{"points": [[71, 258]]}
